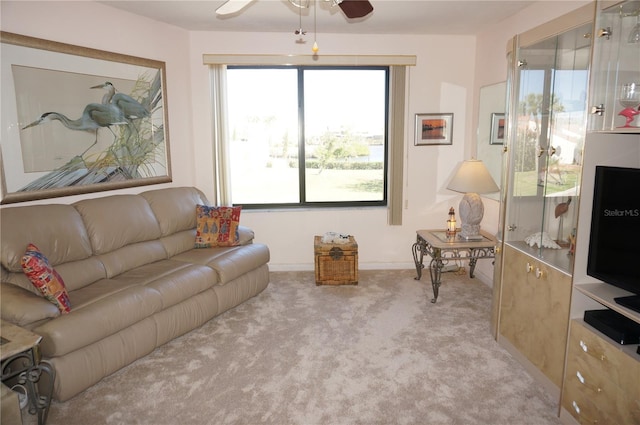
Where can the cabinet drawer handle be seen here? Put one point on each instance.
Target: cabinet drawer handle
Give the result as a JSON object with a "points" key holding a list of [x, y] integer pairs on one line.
{"points": [[529, 267], [575, 407], [539, 273], [583, 382], [585, 348]]}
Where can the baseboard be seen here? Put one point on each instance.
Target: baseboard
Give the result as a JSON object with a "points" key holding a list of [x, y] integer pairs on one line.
{"points": [[487, 280], [310, 267], [361, 266]]}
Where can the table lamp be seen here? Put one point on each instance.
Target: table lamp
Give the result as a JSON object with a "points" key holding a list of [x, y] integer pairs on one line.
{"points": [[472, 178]]}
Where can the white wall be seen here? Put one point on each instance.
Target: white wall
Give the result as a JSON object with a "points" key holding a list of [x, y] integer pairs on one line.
{"points": [[449, 72], [442, 81]]}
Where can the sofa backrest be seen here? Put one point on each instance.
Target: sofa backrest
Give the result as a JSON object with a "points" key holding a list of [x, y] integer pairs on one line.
{"points": [[102, 237], [58, 231], [175, 210], [123, 231]]}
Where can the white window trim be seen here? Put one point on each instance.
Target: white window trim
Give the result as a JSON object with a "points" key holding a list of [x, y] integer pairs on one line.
{"points": [[311, 60]]}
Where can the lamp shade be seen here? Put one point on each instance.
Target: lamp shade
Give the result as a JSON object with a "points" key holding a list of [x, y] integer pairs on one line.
{"points": [[472, 176]]}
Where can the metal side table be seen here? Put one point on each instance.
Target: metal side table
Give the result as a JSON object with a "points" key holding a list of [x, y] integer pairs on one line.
{"points": [[442, 248], [21, 363]]}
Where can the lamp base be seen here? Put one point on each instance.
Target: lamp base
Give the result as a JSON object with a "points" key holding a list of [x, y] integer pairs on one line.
{"points": [[471, 211], [472, 238]]}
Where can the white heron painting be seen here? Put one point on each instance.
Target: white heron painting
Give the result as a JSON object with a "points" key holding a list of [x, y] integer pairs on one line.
{"points": [[82, 124]]}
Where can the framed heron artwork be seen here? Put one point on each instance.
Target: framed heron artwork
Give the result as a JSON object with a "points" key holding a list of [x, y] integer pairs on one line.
{"points": [[78, 120]]}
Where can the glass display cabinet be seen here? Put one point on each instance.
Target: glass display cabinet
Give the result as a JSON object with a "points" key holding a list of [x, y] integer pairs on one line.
{"points": [[615, 94], [556, 139], [546, 145], [546, 126]]}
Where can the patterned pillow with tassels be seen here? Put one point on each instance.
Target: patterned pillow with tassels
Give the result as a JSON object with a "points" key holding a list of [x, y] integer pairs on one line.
{"points": [[217, 226], [44, 277]]}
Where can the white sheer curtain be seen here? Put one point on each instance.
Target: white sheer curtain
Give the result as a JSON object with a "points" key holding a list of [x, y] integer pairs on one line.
{"points": [[221, 171]]}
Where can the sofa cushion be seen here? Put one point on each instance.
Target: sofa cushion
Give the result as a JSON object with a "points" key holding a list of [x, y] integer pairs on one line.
{"points": [[183, 241], [78, 274], [131, 256], [97, 291], [176, 281], [44, 277], [111, 308], [115, 221], [217, 226], [173, 207], [57, 230], [228, 262]]}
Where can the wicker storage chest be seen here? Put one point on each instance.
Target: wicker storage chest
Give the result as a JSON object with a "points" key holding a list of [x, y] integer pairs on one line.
{"points": [[336, 264]]}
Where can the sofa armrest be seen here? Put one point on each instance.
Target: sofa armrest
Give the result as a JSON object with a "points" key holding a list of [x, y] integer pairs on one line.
{"points": [[246, 235], [21, 307]]}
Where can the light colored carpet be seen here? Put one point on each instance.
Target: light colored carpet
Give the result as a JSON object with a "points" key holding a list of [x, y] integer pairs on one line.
{"points": [[376, 353]]}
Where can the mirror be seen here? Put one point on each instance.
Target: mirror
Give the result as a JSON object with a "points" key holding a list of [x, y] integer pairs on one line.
{"points": [[491, 130]]}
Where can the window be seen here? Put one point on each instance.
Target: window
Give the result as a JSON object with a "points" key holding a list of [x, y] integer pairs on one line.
{"points": [[308, 136]]}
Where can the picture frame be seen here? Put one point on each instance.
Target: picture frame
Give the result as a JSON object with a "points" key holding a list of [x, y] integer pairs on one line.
{"points": [[78, 120], [434, 129], [497, 129]]}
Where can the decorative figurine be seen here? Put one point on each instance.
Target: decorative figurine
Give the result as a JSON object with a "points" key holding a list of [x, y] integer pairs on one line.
{"points": [[542, 239], [630, 99]]}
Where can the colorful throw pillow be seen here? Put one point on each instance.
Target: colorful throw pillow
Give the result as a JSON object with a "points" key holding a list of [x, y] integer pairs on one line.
{"points": [[44, 277], [217, 226]]}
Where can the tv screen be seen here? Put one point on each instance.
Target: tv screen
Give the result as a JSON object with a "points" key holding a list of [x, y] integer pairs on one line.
{"points": [[614, 245]]}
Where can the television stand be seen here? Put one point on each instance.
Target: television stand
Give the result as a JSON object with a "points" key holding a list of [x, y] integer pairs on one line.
{"points": [[632, 302]]}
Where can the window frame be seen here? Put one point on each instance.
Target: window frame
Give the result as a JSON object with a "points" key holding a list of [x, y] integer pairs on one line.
{"points": [[304, 204]]}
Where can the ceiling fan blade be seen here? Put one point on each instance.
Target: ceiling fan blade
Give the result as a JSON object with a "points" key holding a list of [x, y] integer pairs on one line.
{"points": [[232, 6], [356, 8]]}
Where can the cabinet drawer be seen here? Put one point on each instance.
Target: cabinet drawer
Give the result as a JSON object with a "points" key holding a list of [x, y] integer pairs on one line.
{"points": [[601, 382], [605, 359], [590, 397]]}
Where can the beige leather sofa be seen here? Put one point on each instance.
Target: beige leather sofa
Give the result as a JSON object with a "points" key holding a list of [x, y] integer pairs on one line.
{"points": [[135, 280]]}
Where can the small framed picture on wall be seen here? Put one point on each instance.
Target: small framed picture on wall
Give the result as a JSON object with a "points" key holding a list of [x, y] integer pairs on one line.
{"points": [[434, 129], [497, 129]]}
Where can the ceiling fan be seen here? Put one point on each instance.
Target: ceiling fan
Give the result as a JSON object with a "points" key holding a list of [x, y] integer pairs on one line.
{"points": [[351, 8]]}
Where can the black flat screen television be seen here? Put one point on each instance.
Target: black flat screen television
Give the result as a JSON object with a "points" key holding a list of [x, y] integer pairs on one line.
{"points": [[614, 243]]}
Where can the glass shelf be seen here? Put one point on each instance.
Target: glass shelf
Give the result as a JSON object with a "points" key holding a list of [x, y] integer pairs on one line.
{"points": [[616, 70]]}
